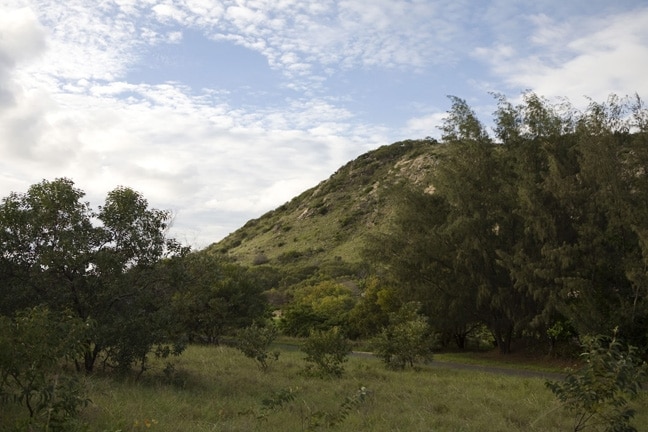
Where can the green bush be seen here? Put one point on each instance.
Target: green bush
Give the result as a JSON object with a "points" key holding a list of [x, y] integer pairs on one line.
{"points": [[34, 344], [326, 351], [598, 393], [254, 341], [406, 340]]}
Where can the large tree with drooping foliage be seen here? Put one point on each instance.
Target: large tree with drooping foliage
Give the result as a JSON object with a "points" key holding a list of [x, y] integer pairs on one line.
{"points": [[537, 226]]}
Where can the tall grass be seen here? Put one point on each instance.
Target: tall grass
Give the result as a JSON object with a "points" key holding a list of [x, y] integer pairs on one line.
{"points": [[218, 389]]}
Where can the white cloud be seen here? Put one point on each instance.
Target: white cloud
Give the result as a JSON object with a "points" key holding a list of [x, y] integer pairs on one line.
{"points": [[599, 56], [166, 12], [425, 126], [22, 110], [21, 36]]}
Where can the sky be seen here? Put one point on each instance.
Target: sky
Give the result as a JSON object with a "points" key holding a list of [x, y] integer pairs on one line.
{"points": [[223, 110]]}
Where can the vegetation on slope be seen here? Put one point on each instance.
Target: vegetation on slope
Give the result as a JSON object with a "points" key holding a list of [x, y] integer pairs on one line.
{"points": [[323, 230]]}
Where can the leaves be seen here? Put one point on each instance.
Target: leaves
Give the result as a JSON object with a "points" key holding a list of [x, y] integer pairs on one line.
{"points": [[34, 343], [254, 341], [548, 224], [113, 266], [598, 393], [406, 340], [327, 351]]}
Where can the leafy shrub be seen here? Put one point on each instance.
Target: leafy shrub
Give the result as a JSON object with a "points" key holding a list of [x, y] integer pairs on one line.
{"points": [[317, 307], [598, 393], [34, 344], [254, 341], [327, 351], [300, 320], [406, 340]]}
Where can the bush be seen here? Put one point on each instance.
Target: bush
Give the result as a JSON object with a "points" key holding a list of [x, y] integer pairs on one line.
{"points": [[598, 393], [327, 351], [254, 341], [406, 340], [34, 344], [301, 320]]}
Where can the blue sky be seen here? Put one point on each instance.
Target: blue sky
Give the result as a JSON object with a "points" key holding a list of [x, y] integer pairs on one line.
{"points": [[223, 110]]}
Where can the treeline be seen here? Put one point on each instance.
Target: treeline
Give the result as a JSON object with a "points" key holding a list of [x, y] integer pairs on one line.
{"points": [[104, 289], [538, 230]]}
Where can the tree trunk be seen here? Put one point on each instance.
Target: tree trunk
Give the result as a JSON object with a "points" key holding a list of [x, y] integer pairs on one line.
{"points": [[503, 337], [460, 340], [89, 358]]}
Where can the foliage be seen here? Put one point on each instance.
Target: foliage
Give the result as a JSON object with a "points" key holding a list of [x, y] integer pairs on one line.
{"points": [[300, 320], [218, 297], [406, 340], [34, 344], [326, 351], [371, 311], [105, 266], [598, 393], [254, 342], [543, 222], [319, 307]]}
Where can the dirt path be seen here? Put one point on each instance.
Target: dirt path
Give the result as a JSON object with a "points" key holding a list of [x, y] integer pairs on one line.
{"points": [[500, 370]]}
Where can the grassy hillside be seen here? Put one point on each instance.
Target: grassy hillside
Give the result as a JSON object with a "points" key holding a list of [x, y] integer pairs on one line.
{"points": [[323, 229]]}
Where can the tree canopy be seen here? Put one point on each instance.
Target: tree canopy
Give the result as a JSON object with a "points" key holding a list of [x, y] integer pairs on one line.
{"points": [[543, 221], [111, 268]]}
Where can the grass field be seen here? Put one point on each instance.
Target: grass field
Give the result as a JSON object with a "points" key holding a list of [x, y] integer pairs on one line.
{"points": [[218, 389]]}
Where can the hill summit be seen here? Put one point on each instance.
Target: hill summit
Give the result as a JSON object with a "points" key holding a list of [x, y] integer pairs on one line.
{"points": [[323, 230]]}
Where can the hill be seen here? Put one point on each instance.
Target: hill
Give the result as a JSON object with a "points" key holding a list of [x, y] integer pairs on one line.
{"points": [[322, 231]]}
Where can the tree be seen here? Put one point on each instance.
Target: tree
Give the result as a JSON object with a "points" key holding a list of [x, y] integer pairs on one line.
{"points": [[582, 200], [407, 340], [417, 256], [218, 298], [104, 266], [537, 139], [318, 307], [542, 224], [477, 179], [371, 312]]}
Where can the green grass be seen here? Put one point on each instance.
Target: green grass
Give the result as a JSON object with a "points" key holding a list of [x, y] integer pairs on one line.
{"points": [[218, 389], [509, 361]]}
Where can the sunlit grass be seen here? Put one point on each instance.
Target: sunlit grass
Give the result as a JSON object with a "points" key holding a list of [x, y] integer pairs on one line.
{"points": [[218, 389]]}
